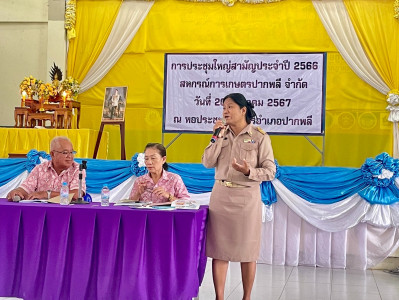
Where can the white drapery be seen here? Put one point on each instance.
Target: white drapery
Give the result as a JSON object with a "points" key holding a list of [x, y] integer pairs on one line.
{"points": [[340, 215], [339, 27], [130, 17], [351, 233], [290, 240], [13, 184], [336, 21]]}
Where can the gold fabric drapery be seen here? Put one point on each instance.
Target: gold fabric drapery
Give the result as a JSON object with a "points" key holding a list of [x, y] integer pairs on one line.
{"points": [[232, 2], [91, 35], [379, 37], [70, 18], [354, 112], [21, 140]]}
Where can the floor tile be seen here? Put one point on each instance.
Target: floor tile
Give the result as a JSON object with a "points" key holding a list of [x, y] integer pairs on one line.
{"points": [[307, 283]]}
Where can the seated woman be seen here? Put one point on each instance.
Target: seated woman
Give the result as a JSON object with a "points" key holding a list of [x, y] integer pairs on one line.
{"points": [[158, 185]]}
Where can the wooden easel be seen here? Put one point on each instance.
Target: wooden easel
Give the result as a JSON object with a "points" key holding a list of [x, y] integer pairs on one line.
{"points": [[122, 130]]}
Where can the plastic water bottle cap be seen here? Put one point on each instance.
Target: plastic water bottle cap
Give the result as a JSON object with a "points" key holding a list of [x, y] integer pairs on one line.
{"points": [[65, 183]]}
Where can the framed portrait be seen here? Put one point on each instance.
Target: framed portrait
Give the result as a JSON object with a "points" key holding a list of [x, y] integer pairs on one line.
{"points": [[114, 104]]}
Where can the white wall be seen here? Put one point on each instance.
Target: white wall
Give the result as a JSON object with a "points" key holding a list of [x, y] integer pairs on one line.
{"points": [[32, 37]]}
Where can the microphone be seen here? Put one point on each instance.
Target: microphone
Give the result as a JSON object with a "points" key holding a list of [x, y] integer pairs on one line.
{"points": [[215, 135], [82, 167]]}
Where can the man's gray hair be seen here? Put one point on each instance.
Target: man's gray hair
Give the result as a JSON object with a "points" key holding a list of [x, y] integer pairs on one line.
{"points": [[56, 141]]}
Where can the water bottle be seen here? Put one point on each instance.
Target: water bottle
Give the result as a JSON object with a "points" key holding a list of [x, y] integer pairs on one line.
{"points": [[64, 194], [105, 196]]}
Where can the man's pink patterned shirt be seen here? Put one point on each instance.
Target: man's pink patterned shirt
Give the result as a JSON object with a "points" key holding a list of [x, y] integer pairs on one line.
{"points": [[43, 177]]}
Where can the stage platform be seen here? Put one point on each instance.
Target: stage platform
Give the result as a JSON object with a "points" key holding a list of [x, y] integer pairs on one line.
{"points": [[17, 141]]}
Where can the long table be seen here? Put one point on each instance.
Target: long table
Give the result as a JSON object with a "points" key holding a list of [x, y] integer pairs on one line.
{"points": [[49, 251]]}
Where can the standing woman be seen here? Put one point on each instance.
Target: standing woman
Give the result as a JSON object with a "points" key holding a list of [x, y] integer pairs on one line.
{"points": [[243, 158]]}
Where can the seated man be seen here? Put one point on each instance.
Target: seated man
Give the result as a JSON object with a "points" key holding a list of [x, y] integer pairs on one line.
{"points": [[45, 180]]}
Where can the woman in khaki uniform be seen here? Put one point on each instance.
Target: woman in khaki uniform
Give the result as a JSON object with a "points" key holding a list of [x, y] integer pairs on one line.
{"points": [[243, 157]]}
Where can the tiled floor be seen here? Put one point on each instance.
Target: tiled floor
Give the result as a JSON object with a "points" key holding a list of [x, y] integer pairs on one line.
{"points": [[306, 283]]}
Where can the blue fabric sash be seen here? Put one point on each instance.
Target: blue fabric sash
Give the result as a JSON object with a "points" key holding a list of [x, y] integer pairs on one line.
{"points": [[374, 181]]}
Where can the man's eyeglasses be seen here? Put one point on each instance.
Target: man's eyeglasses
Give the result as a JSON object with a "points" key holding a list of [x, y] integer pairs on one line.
{"points": [[66, 152]]}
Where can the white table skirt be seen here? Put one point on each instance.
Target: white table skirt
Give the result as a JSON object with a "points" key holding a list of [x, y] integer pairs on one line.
{"points": [[290, 240]]}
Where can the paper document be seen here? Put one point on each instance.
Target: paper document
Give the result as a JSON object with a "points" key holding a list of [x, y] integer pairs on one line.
{"points": [[33, 201], [57, 199], [128, 202], [185, 204], [135, 204]]}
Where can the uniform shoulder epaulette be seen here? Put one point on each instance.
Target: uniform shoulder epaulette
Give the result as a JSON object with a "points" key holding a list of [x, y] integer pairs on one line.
{"points": [[260, 130]]}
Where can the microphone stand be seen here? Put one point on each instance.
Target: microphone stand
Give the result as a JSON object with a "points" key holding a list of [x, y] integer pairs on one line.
{"points": [[82, 167]]}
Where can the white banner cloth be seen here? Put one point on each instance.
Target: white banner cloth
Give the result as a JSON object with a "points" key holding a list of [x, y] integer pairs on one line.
{"points": [[286, 89]]}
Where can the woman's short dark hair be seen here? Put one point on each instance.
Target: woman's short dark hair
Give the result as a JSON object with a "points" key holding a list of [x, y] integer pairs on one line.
{"points": [[242, 102], [161, 150]]}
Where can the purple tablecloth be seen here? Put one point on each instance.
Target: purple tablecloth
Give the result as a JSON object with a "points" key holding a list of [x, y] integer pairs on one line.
{"points": [[49, 251]]}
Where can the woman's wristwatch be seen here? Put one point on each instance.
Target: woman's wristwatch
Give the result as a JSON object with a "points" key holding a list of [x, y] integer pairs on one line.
{"points": [[48, 194]]}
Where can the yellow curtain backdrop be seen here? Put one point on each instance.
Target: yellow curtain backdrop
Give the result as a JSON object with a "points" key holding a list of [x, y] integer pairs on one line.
{"points": [[378, 32], [91, 34], [20, 141], [356, 126]]}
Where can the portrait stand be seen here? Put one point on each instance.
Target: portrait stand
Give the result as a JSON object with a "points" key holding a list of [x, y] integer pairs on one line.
{"points": [[122, 133], [114, 107]]}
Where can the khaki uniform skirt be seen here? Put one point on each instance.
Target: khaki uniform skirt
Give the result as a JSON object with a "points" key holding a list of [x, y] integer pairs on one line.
{"points": [[234, 224]]}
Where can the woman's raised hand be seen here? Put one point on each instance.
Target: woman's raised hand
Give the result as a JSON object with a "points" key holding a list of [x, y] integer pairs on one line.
{"points": [[159, 191]]}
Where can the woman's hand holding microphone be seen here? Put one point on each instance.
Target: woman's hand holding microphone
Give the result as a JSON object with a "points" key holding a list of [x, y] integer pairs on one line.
{"points": [[218, 129]]}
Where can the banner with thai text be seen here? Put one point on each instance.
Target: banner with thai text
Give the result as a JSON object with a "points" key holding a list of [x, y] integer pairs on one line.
{"points": [[286, 89]]}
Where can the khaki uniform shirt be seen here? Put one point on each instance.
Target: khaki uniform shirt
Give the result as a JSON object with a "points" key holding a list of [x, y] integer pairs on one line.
{"points": [[251, 144]]}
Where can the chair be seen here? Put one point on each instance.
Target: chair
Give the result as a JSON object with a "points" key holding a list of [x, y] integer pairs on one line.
{"points": [[41, 118], [63, 117]]}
